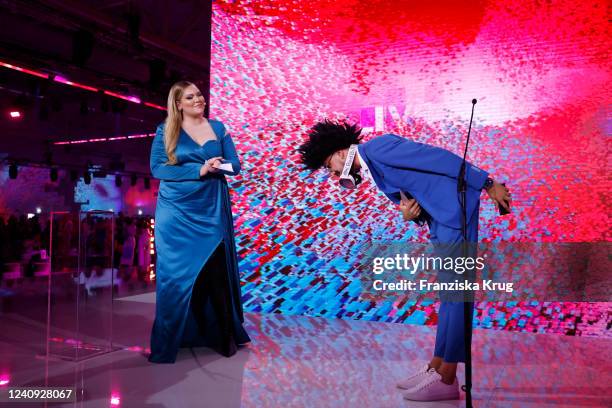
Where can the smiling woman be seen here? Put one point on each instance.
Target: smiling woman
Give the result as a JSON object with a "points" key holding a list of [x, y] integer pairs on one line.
{"points": [[198, 286]]}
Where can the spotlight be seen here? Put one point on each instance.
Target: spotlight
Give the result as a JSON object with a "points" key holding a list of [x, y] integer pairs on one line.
{"points": [[139, 211], [53, 174], [13, 171], [18, 107], [38, 210], [87, 177], [147, 183], [115, 400], [118, 180], [133, 180]]}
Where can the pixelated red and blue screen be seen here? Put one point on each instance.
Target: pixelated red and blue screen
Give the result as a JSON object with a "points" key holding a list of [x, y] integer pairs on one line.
{"points": [[540, 72]]}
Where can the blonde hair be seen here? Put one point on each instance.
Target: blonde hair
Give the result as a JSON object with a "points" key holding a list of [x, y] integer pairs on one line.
{"points": [[174, 120]]}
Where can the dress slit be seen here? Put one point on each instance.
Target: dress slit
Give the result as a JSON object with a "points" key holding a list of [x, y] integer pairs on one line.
{"points": [[199, 314]]}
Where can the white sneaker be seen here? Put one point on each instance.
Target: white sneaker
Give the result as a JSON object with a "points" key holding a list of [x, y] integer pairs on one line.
{"points": [[431, 388], [414, 379]]}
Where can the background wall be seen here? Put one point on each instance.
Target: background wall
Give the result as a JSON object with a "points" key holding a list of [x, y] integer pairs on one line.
{"points": [[540, 72]]}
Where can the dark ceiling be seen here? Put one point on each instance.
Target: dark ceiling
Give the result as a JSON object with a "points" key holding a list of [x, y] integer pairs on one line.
{"points": [[136, 48]]}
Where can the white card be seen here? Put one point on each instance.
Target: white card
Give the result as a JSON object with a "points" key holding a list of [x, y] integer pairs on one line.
{"points": [[226, 167]]}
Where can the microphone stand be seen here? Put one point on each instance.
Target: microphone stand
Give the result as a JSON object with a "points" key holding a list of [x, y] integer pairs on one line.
{"points": [[467, 315]]}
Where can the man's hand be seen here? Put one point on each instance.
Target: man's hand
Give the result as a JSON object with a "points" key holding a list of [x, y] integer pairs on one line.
{"points": [[410, 209], [500, 195]]}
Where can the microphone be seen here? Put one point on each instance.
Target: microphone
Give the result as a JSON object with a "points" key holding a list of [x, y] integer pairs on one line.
{"points": [[474, 101]]}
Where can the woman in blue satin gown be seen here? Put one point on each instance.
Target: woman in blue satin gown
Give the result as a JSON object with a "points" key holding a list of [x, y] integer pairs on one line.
{"points": [[198, 285]]}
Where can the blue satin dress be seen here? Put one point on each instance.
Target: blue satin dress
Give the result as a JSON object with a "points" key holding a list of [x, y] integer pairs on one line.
{"points": [[192, 218]]}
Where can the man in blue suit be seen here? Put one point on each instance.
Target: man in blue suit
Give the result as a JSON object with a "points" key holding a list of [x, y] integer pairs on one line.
{"points": [[398, 166]]}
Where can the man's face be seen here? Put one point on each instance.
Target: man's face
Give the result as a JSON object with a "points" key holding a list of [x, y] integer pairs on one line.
{"points": [[335, 163]]}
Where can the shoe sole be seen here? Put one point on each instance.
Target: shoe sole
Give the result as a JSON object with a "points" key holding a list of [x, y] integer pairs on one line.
{"points": [[440, 398]]}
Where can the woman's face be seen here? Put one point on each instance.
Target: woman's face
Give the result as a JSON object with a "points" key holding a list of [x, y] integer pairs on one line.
{"points": [[192, 102]]}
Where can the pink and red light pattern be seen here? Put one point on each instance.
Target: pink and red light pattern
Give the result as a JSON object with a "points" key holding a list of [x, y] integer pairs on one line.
{"points": [[539, 70]]}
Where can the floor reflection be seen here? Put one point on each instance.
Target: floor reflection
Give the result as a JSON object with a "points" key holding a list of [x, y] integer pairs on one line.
{"points": [[293, 361]]}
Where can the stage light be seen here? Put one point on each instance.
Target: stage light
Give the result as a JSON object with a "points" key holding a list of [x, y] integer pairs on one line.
{"points": [[139, 212], [118, 180], [24, 70], [147, 183], [38, 210], [30, 215], [107, 139], [133, 180], [15, 114], [87, 177], [13, 171], [62, 80], [80, 58], [53, 174], [115, 401], [129, 98], [4, 380], [152, 105]]}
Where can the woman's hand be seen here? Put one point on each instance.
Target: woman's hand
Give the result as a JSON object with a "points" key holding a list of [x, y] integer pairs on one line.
{"points": [[500, 196], [410, 209], [210, 166]]}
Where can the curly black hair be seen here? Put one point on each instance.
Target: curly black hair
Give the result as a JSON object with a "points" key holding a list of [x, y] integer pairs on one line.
{"points": [[324, 139]]}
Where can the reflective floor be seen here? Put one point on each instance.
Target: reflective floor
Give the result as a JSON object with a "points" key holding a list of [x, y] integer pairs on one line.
{"points": [[294, 361]]}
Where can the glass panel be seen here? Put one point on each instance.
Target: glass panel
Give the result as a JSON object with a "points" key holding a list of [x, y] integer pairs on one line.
{"points": [[81, 287]]}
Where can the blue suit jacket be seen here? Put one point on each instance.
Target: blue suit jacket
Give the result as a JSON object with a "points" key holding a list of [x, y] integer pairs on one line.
{"points": [[426, 172]]}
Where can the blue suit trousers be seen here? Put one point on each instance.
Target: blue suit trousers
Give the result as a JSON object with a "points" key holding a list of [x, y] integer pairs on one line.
{"points": [[450, 342]]}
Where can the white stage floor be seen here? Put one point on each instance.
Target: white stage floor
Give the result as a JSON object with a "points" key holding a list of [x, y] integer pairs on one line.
{"points": [[298, 361]]}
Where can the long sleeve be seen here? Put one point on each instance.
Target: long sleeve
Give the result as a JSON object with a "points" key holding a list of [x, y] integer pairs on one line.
{"points": [[161, 170], [229, 152], [398, 152]]}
